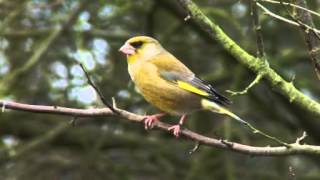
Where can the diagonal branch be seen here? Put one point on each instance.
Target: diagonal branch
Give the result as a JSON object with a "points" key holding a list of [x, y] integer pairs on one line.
{"points": [[295, 148], [257, 65], [102, 98], [299, 24], [23, 149], [245, 90], [44, 46], [260, 48], [312, 38], [257, 29], [305, 23], [12, 15], [292, 5]]}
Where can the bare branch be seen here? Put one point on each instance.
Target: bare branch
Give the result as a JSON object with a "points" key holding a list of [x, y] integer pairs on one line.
{"points": [[292, 5], [254, 82], [195, 148], [203, 140], [44, 46], [102, 98], [300, 139], [268, 12], [257, 29], [114, 109], [277, 82], [312, 38]]}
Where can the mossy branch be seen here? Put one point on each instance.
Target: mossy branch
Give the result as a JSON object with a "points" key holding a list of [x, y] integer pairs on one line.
{"points": [[35, 58], [312, 39], [257, 65], [291, 5], [44, 46], [245, 90], [19, 151]]}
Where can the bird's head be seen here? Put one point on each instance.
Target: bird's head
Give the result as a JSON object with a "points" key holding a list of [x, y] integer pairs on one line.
{"points": [[141, 48]]}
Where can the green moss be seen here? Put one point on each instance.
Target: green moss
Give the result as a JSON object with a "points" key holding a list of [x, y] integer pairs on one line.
{"points": [[257, 65]]}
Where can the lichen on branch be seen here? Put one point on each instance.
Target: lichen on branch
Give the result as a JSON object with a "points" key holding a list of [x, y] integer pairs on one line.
{"points": [[257, 65]]}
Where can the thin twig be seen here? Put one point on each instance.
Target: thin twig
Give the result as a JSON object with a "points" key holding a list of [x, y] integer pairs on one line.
{"points": [[44, 46], [257, 29], [302, 21], [312, 38], [35, 58], [260, 48], [73, 121], [226, 142], [292, 5], [275, 81], [254, 82], [257, 131], [102, 98], [195, 148], [268, 12], [3, 108], [300, 139]]}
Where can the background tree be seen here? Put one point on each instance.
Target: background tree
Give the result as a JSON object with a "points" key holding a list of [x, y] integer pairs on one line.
{"points": [[42, 43]]}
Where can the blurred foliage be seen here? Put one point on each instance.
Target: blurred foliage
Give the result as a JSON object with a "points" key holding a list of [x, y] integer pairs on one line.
{"points": [[42, 42]]}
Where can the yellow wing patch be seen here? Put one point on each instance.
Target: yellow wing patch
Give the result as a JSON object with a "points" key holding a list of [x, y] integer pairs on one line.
{"points": [[191, 88]]}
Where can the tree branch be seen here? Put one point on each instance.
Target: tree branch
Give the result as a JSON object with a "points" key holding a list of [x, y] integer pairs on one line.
{"points": [[23, 149], [312, 38], [114, 109], [102, 98], [257, 29], [257, 65], [295, 148], [260, 48], [9, 18], [245, 90], [45, 44], [303, 19], [292, 5], [299, 24]]}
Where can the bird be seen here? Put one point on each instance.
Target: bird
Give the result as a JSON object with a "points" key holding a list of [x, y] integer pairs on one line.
{"points": [[168, 84]]}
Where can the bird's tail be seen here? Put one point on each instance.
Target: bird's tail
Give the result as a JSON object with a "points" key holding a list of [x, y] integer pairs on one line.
{"points": [[214, 107]]}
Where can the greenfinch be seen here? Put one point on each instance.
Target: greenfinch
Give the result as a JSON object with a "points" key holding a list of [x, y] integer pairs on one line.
{"points": [[168, 84]]}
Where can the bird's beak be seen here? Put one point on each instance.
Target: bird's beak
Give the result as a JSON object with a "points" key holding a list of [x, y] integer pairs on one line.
{"points": [[127, 49]]}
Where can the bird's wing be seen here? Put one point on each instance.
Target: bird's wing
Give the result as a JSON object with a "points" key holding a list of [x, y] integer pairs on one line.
{"points": [[174, 71], [167, 62], [194, 85]]}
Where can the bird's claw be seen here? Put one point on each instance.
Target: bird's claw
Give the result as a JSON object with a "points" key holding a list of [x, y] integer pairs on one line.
{"points": [[175, 129], [149, 121]]}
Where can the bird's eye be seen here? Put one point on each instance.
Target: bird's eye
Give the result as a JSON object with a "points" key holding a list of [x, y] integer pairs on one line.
{"points": [[137, 44]]}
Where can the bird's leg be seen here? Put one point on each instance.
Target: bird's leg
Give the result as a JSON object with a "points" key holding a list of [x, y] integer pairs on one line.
{"points": [[177, 128], [149, 120]]}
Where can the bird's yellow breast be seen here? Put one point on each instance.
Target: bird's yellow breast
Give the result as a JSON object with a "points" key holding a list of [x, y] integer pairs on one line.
{"points": [[163, 94]]}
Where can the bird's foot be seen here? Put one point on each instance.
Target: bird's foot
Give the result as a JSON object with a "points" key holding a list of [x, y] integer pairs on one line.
{"points": [[175, 129], [150, 120]]}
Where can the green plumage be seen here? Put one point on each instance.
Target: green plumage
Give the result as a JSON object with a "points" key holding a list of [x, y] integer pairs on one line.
{"points": [[165, 95], [168, 84]]}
